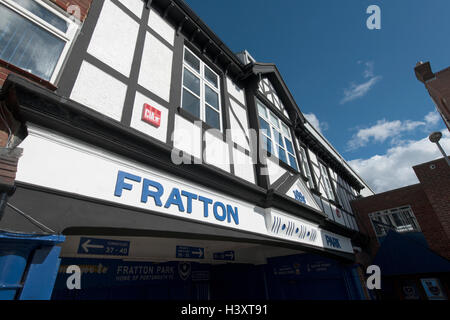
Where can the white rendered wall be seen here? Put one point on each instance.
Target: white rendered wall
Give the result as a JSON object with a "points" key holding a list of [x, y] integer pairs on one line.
{"points": [[243, 166], [239, 125], [114, 38], [187, 137], [156, 67], [160, 26], [235, 91], [135, 6], [159, 133], [99, 91], [274, 170], [216, 152]]}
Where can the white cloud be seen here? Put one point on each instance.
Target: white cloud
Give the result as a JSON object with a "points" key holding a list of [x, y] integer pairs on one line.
{"points": [[392, 130], [368, 71], [314, 121], [432, 118], [394, 169], [355, 90], [359, 90]]}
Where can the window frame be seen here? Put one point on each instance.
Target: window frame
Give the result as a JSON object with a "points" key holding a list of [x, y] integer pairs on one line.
{"points": [[306, 169], [68, 37], [268, 116], [327, 182], [386, 217], [203, 82]]}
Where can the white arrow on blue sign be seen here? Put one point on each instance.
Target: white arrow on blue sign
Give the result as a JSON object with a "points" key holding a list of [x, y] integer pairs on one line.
{"points": [[190, 252], [226, 255], [104, 247]]}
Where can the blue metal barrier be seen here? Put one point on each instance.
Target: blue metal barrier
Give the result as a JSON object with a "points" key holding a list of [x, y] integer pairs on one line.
{"points": [[28, 265]]}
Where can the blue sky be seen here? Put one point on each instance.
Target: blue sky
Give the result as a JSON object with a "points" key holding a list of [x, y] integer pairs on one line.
{"points": [[357, 85]]}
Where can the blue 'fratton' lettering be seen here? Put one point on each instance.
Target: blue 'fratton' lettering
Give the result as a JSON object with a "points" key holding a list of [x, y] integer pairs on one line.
{"points": [[156, 195], [219, 217], [234, 214], [155, 190], [205, 201], [190, 197], [121, 184], [175, 198]]}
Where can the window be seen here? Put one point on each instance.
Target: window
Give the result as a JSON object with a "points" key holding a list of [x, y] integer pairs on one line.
{"points": [[276, 136], [305, 166], [34, 37], [326, 181], [201, 90], [398, 219]]}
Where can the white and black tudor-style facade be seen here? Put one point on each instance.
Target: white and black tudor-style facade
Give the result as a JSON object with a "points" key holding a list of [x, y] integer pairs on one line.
{"points": [[139, 146]]}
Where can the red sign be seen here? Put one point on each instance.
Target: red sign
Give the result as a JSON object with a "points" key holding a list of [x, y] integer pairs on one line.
{"points": [[151, 115]]}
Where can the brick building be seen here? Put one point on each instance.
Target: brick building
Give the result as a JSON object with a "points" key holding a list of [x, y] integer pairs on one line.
{"points": [[438, 86], [417, 214]]}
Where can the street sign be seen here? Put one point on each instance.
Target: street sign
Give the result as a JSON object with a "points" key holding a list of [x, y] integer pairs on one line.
{"points": [[190, 252], [226, 255], [104, 247]]}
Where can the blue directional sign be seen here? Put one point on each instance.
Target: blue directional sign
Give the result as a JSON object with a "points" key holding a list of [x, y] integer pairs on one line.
{"points": [[226, 255], [104, 247], [190, 252]]}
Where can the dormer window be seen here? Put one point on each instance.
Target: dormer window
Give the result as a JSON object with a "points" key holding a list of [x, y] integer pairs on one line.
{"points": [[277, 139], [201, 90]]}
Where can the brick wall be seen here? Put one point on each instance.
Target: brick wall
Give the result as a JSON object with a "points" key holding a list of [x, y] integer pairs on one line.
{"points": [[6, 69], [3, 74], [434, 178], [439, 90], [414, 196], [83, 4]]}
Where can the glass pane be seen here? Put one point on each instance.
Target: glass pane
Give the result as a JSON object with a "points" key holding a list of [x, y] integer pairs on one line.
{"points": [[44, 14], [273, 119], [285, 130], [267, 144], [191, 82], [278, 138], [211, 97], [264, 127], [27, 46], [191, 103], [282, 154], [262, 110], [212, 118], [192, 60], [289, 145], [211, 77], [292, 162]]}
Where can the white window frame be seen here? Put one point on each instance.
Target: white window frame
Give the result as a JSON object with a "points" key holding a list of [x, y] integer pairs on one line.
{"points": [[68, 36], [327, 182], [387, 216], [275, 145], [203, 82], [305, 165]]}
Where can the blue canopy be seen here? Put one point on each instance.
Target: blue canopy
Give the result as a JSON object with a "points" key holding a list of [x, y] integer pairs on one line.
{"points": [[408, 253]]}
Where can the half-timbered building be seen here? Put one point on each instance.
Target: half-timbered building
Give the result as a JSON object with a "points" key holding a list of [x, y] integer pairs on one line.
{"points": [[174, 167]]}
